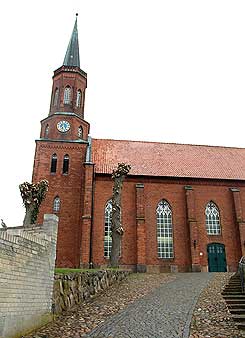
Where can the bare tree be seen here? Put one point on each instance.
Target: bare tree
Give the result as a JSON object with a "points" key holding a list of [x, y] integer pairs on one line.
{"points": [[118, 176]]}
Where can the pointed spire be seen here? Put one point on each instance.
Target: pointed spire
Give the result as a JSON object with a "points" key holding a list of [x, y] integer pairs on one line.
{"points": [[72, 52]]}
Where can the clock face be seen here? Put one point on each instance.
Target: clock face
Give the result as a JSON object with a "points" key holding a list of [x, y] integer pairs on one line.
{"points": [[63, 126]]}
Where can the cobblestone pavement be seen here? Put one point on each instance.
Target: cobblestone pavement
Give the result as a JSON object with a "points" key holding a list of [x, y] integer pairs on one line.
{"points": [[164, 313]]}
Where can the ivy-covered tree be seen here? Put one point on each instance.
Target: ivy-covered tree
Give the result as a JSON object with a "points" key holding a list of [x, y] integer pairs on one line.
{"points": [[32, 195], [117, 231]]}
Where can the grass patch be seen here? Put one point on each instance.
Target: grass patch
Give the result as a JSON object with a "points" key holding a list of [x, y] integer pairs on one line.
{"points": [[68, 270]]}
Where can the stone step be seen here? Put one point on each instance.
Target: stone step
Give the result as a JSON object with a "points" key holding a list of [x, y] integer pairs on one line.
{"points": [[234, 283], [238, 318], [237, 280], [226, 293], [233, 287], [236, 305], [240, 325], [240, 296], [233, 290], [234, 301], [237, 311]]}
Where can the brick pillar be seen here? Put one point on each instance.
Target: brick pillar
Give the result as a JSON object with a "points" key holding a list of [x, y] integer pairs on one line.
{"points": [[194, 236], [87, 215], [140, 223], [239, 217]]}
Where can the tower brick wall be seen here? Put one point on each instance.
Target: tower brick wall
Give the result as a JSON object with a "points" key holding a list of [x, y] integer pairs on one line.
{"points": [[69, 188]]}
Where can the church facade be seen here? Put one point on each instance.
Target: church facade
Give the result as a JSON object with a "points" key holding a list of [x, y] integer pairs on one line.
{"points": [[183, 206]]}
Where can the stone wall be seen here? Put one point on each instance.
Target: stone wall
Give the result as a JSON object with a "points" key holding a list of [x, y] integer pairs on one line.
{"points": [[27, 259], [72, 289]]}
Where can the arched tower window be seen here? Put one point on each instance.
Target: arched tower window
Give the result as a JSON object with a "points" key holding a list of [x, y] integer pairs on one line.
{"points": [[56, 204], [46, 131], [66, 164], [164, 230], [56, 97], [67, 95], [53, 163], [107, 229], [79, 97], [80, 132], [212, 219]]}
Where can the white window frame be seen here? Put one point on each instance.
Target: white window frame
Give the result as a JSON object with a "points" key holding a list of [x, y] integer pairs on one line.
{"points": [[79, 98], [107, 229], [67, 95], [56, 204], [212, 216], [164, 230]]}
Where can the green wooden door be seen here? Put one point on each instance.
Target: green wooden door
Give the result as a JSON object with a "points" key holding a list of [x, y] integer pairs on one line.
{"points": [[216, 257]]}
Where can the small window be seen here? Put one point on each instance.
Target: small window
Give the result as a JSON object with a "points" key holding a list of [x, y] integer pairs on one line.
{"points": [[46, 131], [67, 95], [66, 164], [53, 163], [56, 97], [80, 132], [56, 204], [79, 96], [212, 219]]}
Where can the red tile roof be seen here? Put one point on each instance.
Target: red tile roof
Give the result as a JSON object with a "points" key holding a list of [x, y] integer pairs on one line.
{"points": [[169, 159]]}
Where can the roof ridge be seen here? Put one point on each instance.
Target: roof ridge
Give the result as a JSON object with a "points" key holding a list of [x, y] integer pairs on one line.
{"points": [[171, 143]]}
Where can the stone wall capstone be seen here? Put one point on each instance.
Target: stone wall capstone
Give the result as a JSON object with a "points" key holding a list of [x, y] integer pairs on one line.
{"points": [[27, 260]]}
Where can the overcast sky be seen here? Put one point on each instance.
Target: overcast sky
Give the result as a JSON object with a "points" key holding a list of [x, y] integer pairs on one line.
{"points": [[167, 71]]}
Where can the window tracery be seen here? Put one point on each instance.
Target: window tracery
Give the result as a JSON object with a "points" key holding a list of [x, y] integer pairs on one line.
{"points": [[107, 230], [67, 95], [212, 219], [164, 230], [56, 204]]}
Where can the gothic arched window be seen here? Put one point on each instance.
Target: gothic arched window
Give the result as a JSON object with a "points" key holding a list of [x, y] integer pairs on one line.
{"points": [[66, 164], [53, 163], [212, 219], [56, 204], [80, 132], [107, 229], [46, 131], [164, 230], [56, 97], [79, 97], [67, 95]]}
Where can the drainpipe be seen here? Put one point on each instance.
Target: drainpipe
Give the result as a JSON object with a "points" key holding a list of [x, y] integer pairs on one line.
{"points": [[92, 223]]}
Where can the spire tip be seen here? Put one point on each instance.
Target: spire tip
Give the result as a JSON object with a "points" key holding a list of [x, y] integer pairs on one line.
{"points": [[76, 14]]}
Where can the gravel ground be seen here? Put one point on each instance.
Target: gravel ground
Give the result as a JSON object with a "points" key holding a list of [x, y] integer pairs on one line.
{"points": [[83, 319], [211, 318]]}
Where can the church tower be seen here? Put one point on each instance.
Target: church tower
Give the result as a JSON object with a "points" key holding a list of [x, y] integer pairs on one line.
{"points": [[61, 153]]}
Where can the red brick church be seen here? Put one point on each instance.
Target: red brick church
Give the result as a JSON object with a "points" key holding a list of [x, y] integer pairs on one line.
{"points": [[183, 206]]}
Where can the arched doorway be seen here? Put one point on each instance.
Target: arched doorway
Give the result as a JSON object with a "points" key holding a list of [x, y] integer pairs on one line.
{"points": [[216, 257]]}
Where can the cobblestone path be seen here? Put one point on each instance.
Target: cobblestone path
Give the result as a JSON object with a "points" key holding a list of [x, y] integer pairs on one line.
{"points": [[164, 313]]}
